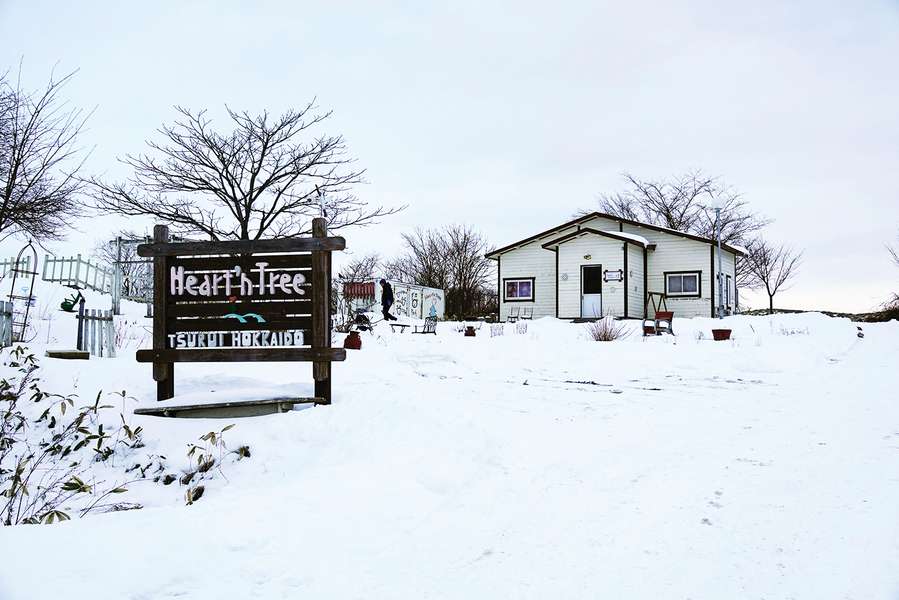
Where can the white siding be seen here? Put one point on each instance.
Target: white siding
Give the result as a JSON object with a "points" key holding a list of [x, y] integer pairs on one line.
{"points": [[675, 253], [602, 251], [530, 260], [634, 281]]}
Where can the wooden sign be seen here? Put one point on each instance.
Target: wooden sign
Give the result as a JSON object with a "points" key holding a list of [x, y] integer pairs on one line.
{"points": [[264, 300]]}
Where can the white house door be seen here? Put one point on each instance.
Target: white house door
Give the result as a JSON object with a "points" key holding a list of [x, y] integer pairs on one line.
{"points": [[591, 291]]}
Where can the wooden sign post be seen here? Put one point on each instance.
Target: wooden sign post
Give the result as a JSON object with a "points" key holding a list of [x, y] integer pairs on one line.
{"points": [[236, 301]]}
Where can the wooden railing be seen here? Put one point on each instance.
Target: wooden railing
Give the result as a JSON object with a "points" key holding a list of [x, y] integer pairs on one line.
{"points": [[76, 272], [7, 264]]}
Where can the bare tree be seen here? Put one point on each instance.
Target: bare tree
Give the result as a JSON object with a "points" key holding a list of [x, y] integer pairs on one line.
{"points": [[362, 268], [680, 203], [424, 261], [771, 266], [452, 259], [39, 160], [137, 272], [262, 178]]}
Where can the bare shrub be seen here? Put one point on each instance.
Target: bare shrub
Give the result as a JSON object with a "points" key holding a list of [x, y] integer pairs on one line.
{"points": [[606, 329]]}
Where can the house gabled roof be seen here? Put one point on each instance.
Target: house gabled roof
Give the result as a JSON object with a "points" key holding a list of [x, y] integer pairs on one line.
{"points": [[598, 215], [628, 238]]}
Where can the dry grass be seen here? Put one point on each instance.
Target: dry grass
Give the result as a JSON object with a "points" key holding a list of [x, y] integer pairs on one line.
{"points": [[606, 329]]}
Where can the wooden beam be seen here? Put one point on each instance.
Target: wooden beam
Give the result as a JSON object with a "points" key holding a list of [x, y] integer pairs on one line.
{"points": [[163, 371], [227, 410], [303, 244], [255, 354]]}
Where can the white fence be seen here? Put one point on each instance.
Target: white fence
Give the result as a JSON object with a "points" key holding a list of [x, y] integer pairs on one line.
{"points": [[7, 264], [74, 271], [5, 324], [96, 333]]}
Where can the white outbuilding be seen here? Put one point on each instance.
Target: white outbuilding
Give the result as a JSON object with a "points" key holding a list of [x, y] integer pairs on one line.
{"points": [[600, 264], [410, 300]]}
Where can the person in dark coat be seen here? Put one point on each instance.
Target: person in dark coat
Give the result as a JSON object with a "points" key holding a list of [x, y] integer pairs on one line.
{"points": [[386, 300]]}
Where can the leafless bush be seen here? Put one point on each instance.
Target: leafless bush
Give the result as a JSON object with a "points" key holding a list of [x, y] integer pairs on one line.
{"points": [[606, 329], [129, 333]]}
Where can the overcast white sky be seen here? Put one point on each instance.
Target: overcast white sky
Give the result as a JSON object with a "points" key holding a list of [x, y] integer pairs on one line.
{"points": [[512, 117]]}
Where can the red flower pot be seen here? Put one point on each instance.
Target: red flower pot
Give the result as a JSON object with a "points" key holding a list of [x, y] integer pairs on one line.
{"points": [[470, 331], [721, 334], [353, 341]]}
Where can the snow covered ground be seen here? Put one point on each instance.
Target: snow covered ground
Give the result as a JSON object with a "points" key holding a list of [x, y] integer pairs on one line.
{"points": [[529, 465]]}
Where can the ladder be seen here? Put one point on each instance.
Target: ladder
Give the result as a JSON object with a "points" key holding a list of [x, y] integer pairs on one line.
{"points": [[21, 301]]}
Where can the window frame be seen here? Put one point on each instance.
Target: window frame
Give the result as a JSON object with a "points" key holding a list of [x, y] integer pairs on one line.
{"points": [[696, 294], [531, 280]]}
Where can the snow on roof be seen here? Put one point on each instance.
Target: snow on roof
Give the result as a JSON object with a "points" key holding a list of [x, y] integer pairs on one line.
{"points": [[631, 236], [738, 248]]}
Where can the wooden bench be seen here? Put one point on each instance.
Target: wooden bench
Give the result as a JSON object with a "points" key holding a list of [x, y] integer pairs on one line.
{"points": [[429, 326], [663, 323]]}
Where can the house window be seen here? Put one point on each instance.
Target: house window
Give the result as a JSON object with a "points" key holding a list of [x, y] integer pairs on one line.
{"points": [[683, 284], [518, 290]]}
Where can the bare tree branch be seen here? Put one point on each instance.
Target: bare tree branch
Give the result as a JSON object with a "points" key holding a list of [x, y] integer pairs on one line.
{"points": [[39, 160], [680, 203], [260, 179]]}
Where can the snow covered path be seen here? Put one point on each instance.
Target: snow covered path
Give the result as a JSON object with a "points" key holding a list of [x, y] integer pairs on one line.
{"points": [[477, 468]]}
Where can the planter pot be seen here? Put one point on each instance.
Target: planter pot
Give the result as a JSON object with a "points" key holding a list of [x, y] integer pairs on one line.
{"points": [[470, 331], [721, 334], [353, 341]]}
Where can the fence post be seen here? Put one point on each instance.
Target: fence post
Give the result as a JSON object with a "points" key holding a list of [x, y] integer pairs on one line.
{"points": [[80, 318], [117, 278], [110, 335]]}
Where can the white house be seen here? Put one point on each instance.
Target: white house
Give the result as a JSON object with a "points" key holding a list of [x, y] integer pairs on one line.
{"points": [[599, 265]]}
